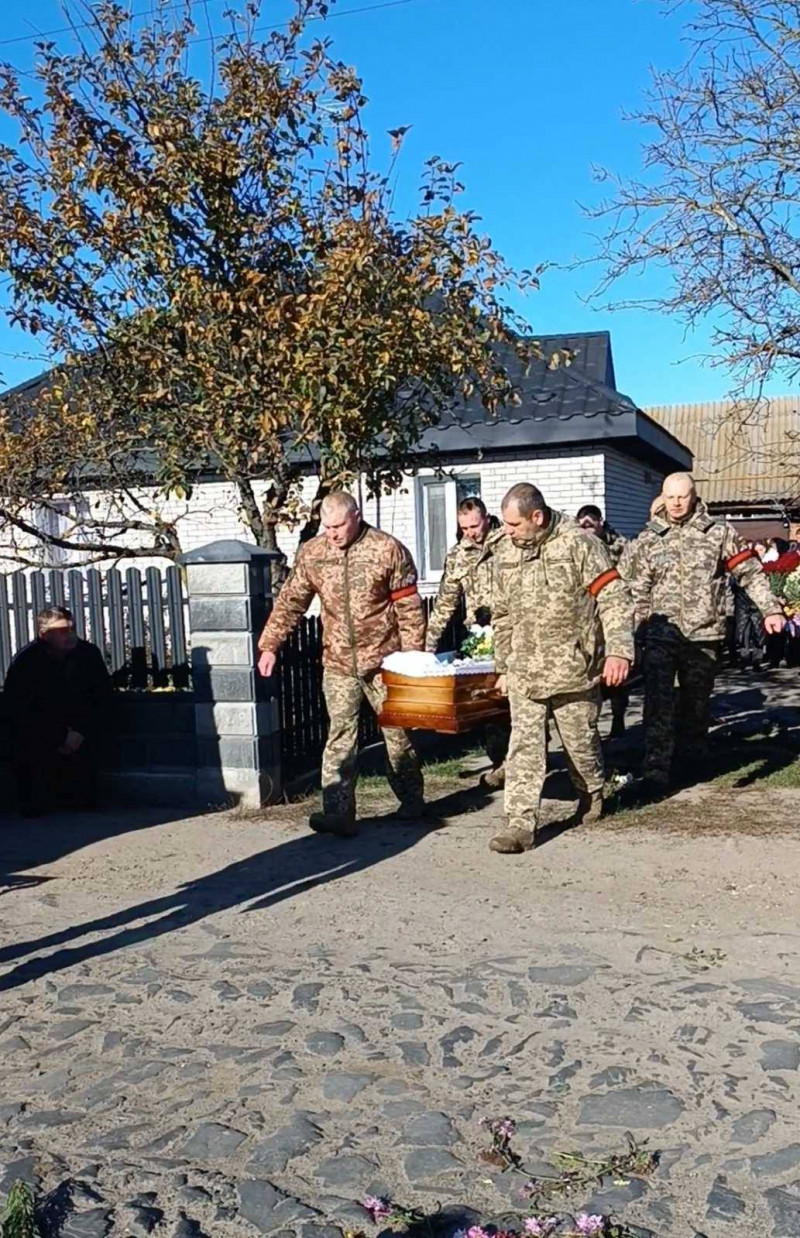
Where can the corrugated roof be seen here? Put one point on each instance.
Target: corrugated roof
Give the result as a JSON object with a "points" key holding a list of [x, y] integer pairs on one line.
{"points": [[743, 453]]}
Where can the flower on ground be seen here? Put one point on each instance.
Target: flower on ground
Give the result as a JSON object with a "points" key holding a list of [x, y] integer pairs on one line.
{"points": [[586, 1224], [379, 1209], [475, 1231], [540, 1227], [502, 1128]]}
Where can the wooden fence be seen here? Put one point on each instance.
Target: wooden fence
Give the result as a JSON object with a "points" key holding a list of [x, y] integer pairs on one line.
{"points": [[301, 704], [138, 623]]}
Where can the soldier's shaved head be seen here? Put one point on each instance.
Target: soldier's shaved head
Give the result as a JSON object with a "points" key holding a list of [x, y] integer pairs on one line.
{"points": [[338, 501], [341, 518], [680, 496], [683, 482]]}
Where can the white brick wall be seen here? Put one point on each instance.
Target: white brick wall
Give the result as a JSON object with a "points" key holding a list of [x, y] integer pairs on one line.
{"points": [[568, 478]]}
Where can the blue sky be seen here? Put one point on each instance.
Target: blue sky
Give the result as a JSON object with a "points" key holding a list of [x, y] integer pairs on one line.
{"points": [[528, 96]]}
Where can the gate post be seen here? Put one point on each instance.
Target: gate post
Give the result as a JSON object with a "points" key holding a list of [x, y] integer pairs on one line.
{"points": [[236, 711]]}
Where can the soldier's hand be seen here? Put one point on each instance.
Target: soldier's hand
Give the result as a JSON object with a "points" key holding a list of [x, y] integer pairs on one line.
{"points": [[501, 686], [266, 664], [615, 672], [774, 624]]}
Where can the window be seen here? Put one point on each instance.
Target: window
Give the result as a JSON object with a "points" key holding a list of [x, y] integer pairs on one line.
{"points": [[59, 518], [438, 500]]}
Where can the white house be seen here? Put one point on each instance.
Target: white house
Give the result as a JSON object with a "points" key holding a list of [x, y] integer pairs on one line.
{"points": [[574, 435]]}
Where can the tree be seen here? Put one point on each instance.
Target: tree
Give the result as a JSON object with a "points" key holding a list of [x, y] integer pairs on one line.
{"points": [[719, 209], [222, 281]]}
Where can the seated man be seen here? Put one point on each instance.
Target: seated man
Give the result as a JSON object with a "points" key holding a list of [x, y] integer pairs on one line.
{"points": [[57, 696]]}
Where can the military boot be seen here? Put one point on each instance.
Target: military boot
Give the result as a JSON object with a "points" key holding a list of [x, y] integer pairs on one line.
{"points": [[513, 841], [493, 779], [590, 808], [341, 824]]}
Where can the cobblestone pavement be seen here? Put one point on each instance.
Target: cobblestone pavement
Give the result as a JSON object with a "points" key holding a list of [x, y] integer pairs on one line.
{"points": [[227, 1026]]}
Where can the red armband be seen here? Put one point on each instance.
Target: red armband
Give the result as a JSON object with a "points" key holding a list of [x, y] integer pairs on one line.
{"points": [[605, 578], [741, 557], [407, 592]]}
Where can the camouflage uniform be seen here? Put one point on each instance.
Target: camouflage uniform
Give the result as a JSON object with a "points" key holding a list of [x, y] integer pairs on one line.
{"points": [[616, 545], [370, 608], [678, 576], [559, 609], [469, 573]]}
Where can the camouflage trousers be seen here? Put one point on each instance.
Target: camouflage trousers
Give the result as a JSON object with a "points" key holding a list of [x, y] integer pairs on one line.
{"points": [[684, 716], [343, 697], [575, 714], [496, 740]]}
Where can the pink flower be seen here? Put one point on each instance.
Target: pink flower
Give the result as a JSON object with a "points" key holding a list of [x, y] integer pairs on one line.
{"points": [[476, 1231], [502, 1128], [588, 1225], [379, 1209], [540, 1227]]}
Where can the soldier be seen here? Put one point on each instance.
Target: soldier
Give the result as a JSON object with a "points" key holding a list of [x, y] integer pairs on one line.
{"points": [[677, 569], [367, 586], [558, 603], [469, 573], [590, 518]]}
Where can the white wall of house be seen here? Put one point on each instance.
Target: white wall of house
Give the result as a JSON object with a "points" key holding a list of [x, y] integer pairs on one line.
{"points": [[630, 488], [422, 512]]}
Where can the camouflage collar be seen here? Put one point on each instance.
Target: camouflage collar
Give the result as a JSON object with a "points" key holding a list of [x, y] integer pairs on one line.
{"points": [[535, 547], [699, 519]]}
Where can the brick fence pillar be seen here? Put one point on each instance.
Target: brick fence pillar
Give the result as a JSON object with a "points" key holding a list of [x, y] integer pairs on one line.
{"points": [[238, 733]]}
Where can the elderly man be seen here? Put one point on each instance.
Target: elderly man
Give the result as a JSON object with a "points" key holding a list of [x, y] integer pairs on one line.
{"points": [[469, 574], [367, 587], [677, 569], [57, 695], [563, 625]]}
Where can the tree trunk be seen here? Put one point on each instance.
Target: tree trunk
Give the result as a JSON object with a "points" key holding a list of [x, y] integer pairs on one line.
{"points": [[311, 527], [264, 529]]}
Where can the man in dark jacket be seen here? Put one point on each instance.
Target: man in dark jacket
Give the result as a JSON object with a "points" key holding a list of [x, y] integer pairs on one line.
{"points": [[57, 696]]}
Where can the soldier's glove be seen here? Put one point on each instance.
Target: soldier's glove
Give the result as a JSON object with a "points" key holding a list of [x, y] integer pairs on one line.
{"points": [[483, 616]]}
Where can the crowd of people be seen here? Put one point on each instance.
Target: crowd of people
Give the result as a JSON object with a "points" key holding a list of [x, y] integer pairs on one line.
{"points": [[749, 646], [573, 607]]}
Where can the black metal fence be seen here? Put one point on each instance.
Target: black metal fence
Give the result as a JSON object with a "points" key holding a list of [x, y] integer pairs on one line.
{"points": [[137, 620], [301, 704]]}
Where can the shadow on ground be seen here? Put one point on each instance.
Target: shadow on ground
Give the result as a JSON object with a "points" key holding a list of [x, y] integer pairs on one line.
{"points": [[254, 884]]}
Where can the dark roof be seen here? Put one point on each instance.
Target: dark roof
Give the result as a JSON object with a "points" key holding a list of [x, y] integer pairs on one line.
{"points": [[592, 351], [564, 405], [575, 404]]}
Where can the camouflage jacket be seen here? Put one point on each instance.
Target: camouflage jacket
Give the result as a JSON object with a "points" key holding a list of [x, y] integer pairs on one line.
{"points": [[468, 570], [614, 543], [557, 604], [368, 597], [677, 575]]}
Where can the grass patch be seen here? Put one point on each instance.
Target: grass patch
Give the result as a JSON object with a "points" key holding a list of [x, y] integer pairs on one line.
{"points": [[436, 770], [759, 762]]}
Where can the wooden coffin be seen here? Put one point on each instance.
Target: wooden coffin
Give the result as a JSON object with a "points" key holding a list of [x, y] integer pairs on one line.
{"points": [[449, 704]]}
